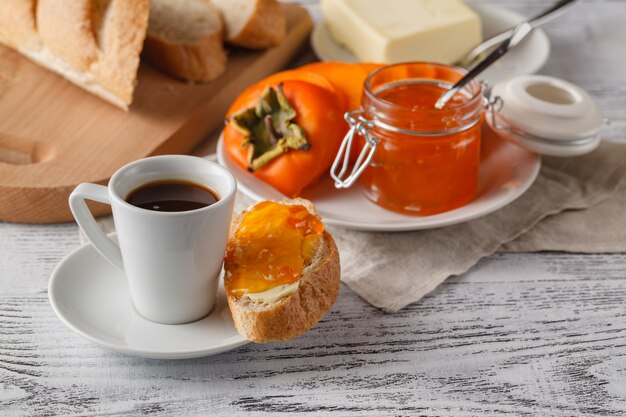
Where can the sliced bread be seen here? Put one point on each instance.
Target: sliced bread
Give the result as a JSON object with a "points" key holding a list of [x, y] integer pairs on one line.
{"points": [[18, 28], [93, 43], [68, 32], [287, 316], [185, 39], [255, 24], [120, 29]]}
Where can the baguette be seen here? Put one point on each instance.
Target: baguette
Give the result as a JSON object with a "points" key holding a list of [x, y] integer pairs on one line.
{"points": [[255, 24], [93, 43], [185, 39], [60, 31], [293, 314], [18, 29]]}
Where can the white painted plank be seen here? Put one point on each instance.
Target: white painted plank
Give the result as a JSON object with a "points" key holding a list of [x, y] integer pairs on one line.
{"points": [[520, 334]]}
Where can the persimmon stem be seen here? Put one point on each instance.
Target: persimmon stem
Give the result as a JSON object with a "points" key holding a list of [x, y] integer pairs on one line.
{"points": [[269, 128]]}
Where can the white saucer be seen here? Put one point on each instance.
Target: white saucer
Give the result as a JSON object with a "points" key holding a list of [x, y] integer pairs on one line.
{"points": [[526, 58], [91, 297], [506, 172]]}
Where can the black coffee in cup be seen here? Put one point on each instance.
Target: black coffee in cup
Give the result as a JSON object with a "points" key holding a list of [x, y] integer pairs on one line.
{"points": [[172, 196]]}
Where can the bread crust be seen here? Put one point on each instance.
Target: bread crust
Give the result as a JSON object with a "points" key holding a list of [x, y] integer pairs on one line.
{"points": [[121, 41], [266, 26], [93, 43], [17, 24], [298, 312], [201, 61], [67, 32]]}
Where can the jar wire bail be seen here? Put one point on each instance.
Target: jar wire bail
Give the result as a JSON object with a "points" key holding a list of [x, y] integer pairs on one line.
{"points": [[361, 126]]}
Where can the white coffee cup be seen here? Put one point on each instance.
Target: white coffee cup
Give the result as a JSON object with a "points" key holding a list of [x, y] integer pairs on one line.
{"points": [[172, 260]]}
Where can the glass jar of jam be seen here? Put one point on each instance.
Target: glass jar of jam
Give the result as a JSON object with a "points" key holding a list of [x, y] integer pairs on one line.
{"points": [[417, 159]]}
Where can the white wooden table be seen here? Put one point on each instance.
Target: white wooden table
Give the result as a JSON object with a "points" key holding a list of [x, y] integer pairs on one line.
{"points": [[520, 334]]}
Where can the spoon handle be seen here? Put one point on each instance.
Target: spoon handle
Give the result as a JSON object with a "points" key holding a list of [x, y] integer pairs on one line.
{"points": [[519, 33], [550, 13], [547, 15]]}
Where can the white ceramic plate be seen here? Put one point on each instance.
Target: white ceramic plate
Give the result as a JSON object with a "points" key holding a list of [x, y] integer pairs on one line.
{"points": [[506, 172], [526, 58], [91, 297]]}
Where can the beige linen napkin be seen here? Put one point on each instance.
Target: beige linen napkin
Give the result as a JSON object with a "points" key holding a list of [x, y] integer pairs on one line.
{"points": [[599, 229], [572, 206], [391, 271]]}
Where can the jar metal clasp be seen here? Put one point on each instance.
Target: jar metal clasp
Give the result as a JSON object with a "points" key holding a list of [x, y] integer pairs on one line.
{"points": [[492, 105], [359, 125]]}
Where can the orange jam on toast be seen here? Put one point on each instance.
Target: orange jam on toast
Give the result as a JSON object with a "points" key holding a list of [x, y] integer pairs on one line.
{"points": [[272, 245]]}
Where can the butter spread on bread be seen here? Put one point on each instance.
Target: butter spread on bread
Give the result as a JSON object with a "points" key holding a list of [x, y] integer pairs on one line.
{"points": [[282, 270], [274, 294]]}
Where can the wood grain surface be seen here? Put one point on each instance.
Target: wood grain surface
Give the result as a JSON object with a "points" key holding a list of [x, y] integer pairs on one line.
{"points": [[54, 135], [519, 335]]}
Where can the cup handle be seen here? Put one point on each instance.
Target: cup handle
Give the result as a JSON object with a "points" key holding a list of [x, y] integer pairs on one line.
{"points": [[107, 248]]}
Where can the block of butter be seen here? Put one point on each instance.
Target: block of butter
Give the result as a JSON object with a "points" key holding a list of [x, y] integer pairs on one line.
{"points": [[394, 31]]}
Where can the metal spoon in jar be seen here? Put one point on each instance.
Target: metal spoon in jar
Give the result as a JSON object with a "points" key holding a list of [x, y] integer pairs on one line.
{"points": [[544, 17], [519, 33]]}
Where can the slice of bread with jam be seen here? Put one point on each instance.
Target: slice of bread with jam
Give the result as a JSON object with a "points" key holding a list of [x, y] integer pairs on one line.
{"points": [[282, 270]]}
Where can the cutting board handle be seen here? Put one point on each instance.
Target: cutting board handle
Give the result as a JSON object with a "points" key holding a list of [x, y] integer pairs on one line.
{"points": [[21, 151]]}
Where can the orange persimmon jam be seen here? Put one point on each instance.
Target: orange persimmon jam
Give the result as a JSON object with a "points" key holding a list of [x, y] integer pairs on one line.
{"points": [[272, 245], [427, 159]]}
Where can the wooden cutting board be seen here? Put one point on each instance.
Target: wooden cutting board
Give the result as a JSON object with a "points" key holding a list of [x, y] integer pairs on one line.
{"points": [[54, 135]]}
